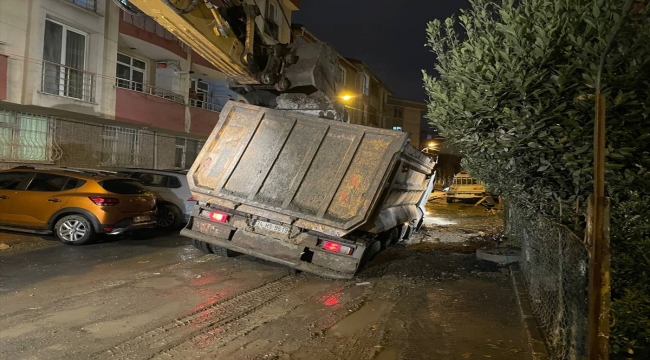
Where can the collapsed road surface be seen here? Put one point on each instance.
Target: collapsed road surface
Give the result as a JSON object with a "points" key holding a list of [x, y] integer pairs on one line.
{"points": [[159, 298]]}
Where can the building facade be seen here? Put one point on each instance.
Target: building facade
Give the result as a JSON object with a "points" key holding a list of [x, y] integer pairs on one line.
{"points": [[367, 95], [406, 115], [83, 83]]}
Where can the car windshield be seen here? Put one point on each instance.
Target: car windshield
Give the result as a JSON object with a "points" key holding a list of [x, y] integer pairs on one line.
{"points": [[123, 186]]}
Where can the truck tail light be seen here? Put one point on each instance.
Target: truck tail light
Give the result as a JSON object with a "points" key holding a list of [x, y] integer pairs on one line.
{"points": [[104, 201], [336, 247], [217, 216]]}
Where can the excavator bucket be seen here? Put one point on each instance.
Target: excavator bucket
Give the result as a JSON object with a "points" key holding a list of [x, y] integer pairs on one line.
{"points": [[317, 68]]}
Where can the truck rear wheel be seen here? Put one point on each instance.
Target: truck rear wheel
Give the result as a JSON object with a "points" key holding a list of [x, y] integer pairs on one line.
{"points": [[222, 251], [202, 245]]}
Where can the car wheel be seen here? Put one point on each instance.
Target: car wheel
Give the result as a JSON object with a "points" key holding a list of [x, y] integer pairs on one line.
{"points": [[74, 230], [450, 200], [222, 251], [169, 217], [202, 245]]}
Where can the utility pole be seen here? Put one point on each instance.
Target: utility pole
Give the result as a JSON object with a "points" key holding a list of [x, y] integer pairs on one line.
{"points": [[599, 254]]}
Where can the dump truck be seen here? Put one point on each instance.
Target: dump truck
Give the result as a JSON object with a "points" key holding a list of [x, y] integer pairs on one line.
{"points": [[313, 194]]}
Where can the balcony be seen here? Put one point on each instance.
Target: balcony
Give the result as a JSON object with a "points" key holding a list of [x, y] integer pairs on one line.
{"points": [[66, 81], [211, 103], [205, 114], [90, 5], [151, 90], [148, 105]]}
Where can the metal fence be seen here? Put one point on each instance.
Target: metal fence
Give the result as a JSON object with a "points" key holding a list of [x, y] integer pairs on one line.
{"points": [[62, 80], [555, 268]]}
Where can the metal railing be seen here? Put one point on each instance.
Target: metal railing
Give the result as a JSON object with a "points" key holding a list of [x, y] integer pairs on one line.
{"points": [[27, 137], [90, 5], [151, 90], [211, 103], [62, 80]]}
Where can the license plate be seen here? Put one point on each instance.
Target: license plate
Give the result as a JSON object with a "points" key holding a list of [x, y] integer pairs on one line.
{"points": [[139, 219], [272, 227], [209, 229]]}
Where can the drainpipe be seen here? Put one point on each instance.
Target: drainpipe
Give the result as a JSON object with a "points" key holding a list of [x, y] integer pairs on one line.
{"points": [[155, 150]]}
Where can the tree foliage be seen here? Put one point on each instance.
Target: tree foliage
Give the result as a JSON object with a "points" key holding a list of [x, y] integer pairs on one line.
{"points": [[515, 92]]}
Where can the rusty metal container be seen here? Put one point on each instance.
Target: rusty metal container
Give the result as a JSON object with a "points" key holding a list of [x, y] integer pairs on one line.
{"points": [[308, 174]]}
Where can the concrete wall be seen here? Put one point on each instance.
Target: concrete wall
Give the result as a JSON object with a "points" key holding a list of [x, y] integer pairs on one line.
{"points": [[143, 109]]}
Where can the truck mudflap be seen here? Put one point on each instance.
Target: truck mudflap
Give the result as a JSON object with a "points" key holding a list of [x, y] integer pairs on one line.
{"points": [[305, 256]]}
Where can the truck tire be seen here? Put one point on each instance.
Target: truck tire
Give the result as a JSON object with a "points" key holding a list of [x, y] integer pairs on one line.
{"points": [[222, 251], [202, 245], [374, 248]]}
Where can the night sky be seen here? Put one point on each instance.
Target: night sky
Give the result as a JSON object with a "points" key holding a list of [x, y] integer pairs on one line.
{"points": [[387, 35]]}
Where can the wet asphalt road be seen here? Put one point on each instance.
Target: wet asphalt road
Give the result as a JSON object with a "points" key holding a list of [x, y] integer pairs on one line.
{"points": [[160, 298]]}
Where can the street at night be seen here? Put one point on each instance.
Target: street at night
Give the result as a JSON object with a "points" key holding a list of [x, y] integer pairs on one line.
{"points": [[161, 298]]}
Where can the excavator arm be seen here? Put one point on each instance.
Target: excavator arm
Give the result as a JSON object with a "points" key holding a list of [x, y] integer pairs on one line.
{"points": [[225, 33]]}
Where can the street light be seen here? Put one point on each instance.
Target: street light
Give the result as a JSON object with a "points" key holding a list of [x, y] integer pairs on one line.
{"points": [[346, 96]]}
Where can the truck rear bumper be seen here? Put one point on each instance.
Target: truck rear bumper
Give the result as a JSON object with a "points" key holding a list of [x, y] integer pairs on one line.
{"points": [[320, 262]]}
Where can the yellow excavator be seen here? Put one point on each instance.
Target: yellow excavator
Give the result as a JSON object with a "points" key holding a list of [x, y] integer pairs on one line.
{"points": [[266, 72]]}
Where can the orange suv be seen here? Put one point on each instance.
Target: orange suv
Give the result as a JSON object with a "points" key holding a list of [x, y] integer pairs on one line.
{"points": [[74, 204]]}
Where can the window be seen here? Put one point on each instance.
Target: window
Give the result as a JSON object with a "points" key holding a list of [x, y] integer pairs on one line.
{"points": [[397, 128], [86, 4], [174, 183], [120, 146], [11, 180], [429, 137], [131, 72], [73, 184], [365, 84], [398, 113], [122, 186], [153, 180], [270, 22], [343, 77], [186, 152], [64, 61], [25, 137], [47, 182]]}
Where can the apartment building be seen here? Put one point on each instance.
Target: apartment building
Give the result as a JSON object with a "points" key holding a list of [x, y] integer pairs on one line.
{"points": [[366, 95], [84, 83], [406, 115]]}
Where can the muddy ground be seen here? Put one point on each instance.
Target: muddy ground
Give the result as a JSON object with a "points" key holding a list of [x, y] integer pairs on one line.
{"points": [[159, 298]]}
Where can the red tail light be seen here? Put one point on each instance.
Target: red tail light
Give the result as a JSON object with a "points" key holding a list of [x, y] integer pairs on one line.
{"points": [[336, 247], [191, 199], [217, 216], [104, 201]]}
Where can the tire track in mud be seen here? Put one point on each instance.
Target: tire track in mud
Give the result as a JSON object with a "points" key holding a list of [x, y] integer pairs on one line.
{"points": [[216, 315], [207, 345]]}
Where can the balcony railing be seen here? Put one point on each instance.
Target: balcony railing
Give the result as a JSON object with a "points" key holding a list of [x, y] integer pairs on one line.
{"points": [[211, 103], [151, 90], [90, 5], [58, 79]]}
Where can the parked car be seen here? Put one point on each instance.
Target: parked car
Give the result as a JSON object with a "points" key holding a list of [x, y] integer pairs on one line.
{"points": [[175, 200], [73, 204], [464, 187]]}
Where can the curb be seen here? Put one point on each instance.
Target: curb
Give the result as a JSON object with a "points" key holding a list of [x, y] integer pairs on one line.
{"points": [[536, 343]]}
